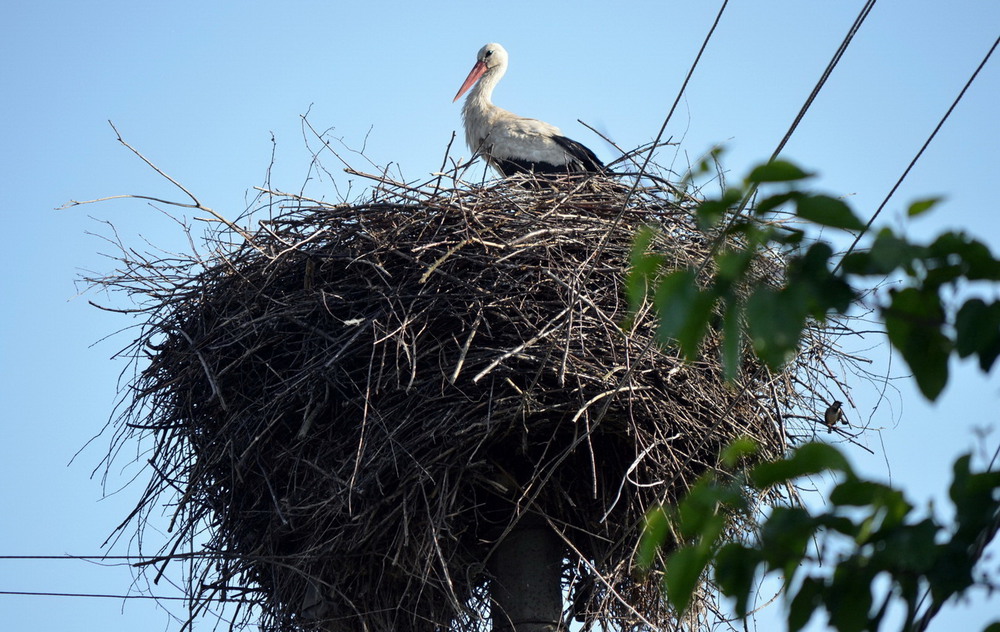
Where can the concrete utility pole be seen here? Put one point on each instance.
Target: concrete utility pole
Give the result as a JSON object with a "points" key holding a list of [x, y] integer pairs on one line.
{"points": [[527, 568]]}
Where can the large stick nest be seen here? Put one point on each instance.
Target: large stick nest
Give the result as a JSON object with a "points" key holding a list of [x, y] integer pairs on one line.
{"points": [[352, 404]]}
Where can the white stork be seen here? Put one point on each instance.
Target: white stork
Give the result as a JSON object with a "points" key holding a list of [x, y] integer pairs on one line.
{"points": [[513, 144]]}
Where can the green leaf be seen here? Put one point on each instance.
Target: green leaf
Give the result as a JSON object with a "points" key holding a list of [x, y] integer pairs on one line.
{"points": [[913, 322], [654, 535], [684, 569], [816, 260], [732, 265], [977, 331], [979, 263], [735, 570], [805, 603], [777, 171], [887, 253], [698, 514], [968, 326], [643, 240], [811, 458], [849, 597], [674, 297], [732, 342], [858, 493], [953, 573], [976, 505], [642, 269], [771, 202], [993, 627], [838, 524], [788, 235], [711, 210], [975, 498], [784, 538], [695, 324], [775, 320], [958, 255], [827, 211], [908, 548], [813, 287], [735, 451], [922, 206]]}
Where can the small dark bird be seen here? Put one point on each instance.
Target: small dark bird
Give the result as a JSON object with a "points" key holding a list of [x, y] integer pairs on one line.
{"points": [[834, 413]]}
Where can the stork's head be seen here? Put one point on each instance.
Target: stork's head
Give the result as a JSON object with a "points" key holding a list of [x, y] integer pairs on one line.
{"points": [[492, 55], [492, 59]]}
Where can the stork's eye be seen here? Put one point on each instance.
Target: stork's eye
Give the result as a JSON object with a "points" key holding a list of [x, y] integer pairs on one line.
{"points": [[488, 53]]}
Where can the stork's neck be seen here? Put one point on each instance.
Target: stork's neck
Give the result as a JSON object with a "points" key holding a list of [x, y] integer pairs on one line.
{"points": [[479, 113], [480, 98]]}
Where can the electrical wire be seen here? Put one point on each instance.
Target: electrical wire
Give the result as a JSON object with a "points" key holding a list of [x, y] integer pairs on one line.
{"points": [[837, 56], [919, 153], [26, 593], [858, 21], [680, 93]]}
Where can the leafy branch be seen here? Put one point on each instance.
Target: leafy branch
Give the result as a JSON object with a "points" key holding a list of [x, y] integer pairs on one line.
{"points": [[818, 285], [869, 530], [827, 560]]}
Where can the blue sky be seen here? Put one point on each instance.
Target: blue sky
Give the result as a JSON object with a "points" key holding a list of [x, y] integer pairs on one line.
{"points": [[201, 89]]}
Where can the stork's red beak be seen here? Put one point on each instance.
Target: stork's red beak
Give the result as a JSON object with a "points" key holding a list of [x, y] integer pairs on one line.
{"points": [[477, 71]]}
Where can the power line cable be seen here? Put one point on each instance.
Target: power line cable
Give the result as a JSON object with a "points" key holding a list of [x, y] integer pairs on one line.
{"points": [[94, 558], [919, 153], [837, 56], [27, 593], [680, 93], [858, 21], [670, 113], [752, 189]]}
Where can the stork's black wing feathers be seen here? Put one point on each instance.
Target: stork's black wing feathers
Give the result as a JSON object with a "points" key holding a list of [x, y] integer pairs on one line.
{"points": [[510, 166], [583, 158]]}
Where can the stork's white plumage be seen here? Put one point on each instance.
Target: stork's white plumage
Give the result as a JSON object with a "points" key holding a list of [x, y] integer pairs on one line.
{"points": [[511, 143]]}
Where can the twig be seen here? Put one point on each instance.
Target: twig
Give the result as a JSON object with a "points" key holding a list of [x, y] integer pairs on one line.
{"points": [[196, 204]]}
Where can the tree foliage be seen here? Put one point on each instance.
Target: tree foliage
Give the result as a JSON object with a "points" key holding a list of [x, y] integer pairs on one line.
{"points": [[920, 325], [868, 529]]}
